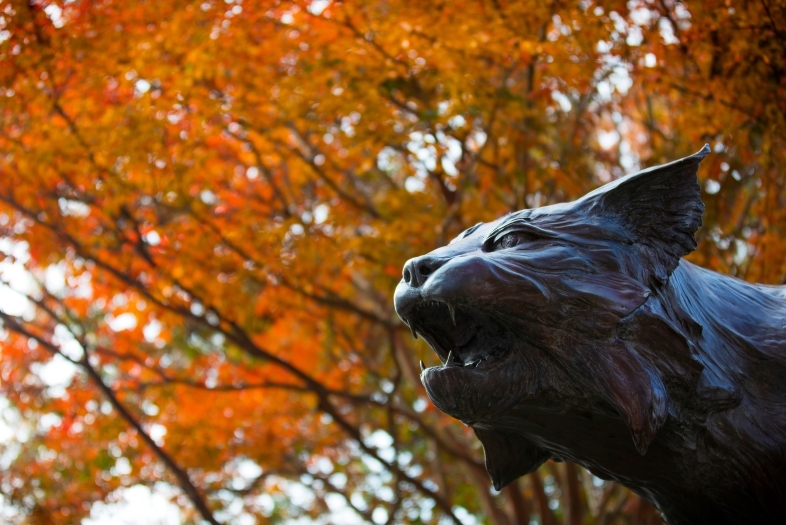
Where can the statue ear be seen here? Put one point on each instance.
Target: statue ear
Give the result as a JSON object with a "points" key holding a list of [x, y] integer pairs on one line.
{"points": [[658, 209]]}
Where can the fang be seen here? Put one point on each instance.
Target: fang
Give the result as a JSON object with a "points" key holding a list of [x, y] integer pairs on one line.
{"points": [[452, 310]]}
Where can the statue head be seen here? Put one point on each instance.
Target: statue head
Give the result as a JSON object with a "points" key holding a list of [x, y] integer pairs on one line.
{"points": [[551, 303]]}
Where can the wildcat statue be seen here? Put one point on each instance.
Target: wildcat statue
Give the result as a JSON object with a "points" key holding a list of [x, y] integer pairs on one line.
{"points": [[575, 332]]}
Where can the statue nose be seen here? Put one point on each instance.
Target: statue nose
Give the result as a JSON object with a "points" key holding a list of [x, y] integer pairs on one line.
{"points": [[418, 269]]}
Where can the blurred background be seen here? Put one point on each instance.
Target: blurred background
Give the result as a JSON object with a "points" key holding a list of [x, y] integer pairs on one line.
{"points": [[205, 207]]}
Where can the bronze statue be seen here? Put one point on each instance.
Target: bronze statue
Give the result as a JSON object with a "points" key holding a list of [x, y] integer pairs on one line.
{"points": [[576, 332]]}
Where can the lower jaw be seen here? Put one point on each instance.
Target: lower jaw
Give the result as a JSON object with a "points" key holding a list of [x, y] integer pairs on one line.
{"points": [[473, 394]]}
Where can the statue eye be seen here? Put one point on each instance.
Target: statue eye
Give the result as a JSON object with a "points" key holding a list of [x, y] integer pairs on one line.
{"points": [[509, 240]]}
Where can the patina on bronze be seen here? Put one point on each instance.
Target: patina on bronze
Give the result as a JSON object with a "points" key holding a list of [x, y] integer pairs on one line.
{"points": [[576, 332]]}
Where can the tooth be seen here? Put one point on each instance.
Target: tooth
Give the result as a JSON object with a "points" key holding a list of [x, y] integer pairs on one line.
{"points": [[422, 366], [412, 328], [452, 310], [449, 362]]}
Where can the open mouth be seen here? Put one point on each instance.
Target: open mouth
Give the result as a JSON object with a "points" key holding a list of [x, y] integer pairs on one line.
{"points": [[461, 336]]}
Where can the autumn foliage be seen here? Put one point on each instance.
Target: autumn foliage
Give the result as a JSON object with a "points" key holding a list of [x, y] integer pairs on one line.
{"points": [[205, 207]]}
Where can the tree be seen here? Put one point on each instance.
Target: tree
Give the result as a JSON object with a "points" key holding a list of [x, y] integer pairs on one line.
{"points": [[207, 205]]}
